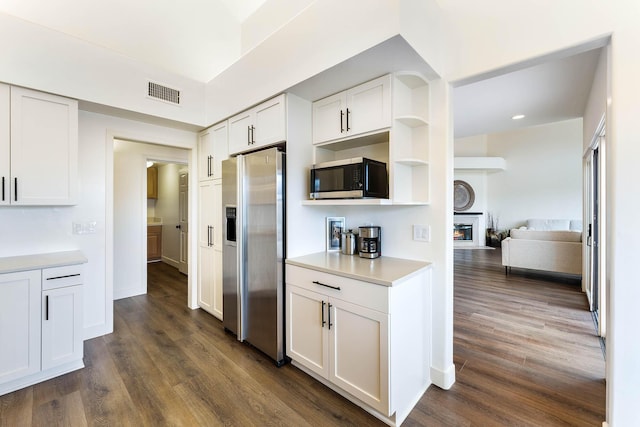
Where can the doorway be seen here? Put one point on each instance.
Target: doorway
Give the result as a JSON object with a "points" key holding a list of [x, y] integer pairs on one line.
{"points": [[130, 210], [167, 211]]}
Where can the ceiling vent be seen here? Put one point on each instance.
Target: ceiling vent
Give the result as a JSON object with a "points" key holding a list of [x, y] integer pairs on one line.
{"points": [[163, 93]]}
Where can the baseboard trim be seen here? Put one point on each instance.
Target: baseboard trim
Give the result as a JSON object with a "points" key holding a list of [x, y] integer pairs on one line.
{"points": [[444, 379]]}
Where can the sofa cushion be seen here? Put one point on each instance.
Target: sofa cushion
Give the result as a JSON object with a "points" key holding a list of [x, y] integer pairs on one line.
{"points": [[552, 235], [548, 224]]}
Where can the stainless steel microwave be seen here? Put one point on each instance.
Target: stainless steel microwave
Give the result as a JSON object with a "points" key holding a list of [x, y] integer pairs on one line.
{"points": [[355, 178]]}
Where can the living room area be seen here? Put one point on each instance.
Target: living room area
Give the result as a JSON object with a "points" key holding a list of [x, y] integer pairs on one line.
{"points": [[521, 186]]}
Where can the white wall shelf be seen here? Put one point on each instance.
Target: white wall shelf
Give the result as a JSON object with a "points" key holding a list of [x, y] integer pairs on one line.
{"points": [[346, 202]]}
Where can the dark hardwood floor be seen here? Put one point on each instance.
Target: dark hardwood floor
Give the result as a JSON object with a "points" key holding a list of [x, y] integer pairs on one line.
{"points": [[524, 347]]}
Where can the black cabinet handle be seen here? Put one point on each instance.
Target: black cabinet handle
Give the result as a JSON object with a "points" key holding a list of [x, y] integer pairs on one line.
{"points": [[15, 188], [348, 112], [209, 168], [248, 135], [341, 125], [46, 307], [337, 288], [329, 310], [3, 188], [253, 134], [324, 322]]}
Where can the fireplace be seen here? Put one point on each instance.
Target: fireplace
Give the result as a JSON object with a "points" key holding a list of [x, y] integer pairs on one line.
{"points": [[468, 229]]}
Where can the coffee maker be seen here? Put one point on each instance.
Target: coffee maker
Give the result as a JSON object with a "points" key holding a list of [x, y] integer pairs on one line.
{"points": [[369, 242]]}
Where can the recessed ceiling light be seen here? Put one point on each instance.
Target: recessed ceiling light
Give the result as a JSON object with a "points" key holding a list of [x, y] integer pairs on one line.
{"points": [[518, 117]]}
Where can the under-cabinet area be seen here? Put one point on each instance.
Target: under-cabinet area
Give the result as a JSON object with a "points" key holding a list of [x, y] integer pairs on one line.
{"points": [[40, 317], [362, 327]]}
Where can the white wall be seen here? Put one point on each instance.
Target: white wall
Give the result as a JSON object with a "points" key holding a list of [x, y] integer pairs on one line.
{"points": [[543, 175], [597, 102], [96, 133], [473, 146], [500, 34], [129, 205], [168, 208], [50, 61]]}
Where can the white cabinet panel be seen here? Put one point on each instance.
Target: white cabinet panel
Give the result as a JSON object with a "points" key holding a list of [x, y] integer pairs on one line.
{"points": [[363, 109], [206, 273], [217, 283], [44, 148], [20, 324], [62, 340], [212, 150], [206, 214], [359, 353], [369, 106], [329, 118], [5, 144], [260, 126], [307, 334]]}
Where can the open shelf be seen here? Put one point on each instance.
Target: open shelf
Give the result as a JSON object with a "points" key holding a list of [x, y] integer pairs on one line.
{"points": [[346, 202]]}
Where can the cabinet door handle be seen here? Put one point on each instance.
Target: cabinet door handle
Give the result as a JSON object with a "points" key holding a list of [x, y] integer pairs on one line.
{"points": [[329, 311], [3, 188], [209, 233], [46, 307], [337, 288], [209, 165], [253, 134], [324, 322], [348, 112], [248, 135], [341, 124], [15, 188]]}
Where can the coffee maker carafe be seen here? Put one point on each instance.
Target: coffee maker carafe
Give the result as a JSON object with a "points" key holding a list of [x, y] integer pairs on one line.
{"points": [[369, 242]]}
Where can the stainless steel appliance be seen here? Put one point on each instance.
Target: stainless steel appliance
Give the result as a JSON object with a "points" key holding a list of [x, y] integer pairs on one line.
{"points": [[369, 242], [253, 252], [355, 178], [349, 242]]}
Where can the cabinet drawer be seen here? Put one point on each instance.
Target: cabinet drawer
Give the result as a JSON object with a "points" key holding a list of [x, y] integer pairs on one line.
{"points": [[60, 277], [365, 294]]}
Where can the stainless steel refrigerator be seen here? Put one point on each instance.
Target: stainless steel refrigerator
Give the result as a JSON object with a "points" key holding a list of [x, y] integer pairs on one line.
{"points": [[253, 199]]}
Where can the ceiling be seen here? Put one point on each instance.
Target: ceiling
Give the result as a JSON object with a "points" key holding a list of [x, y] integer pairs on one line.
{"points": [[200, 38], [193, 38], [549, 92]]}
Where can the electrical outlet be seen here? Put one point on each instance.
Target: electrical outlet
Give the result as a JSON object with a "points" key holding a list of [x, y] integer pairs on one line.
{"points": [[421, 233], [86, 227]]}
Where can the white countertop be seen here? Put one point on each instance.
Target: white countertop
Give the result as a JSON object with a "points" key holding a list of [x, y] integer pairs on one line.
{"points": [[385, 271], [38, 261]]}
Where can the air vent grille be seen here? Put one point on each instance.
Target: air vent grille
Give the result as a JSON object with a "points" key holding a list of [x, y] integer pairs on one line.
{"points": [[163, 93]]}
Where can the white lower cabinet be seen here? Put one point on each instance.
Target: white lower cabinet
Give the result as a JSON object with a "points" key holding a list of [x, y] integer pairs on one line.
{"points": [[41, 332], [346, 343], [369, 342], [19, 325], [62, 340]]}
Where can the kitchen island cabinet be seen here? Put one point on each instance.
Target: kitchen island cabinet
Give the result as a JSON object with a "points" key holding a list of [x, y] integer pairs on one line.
{"points": [[40, 318], [362, 327]]}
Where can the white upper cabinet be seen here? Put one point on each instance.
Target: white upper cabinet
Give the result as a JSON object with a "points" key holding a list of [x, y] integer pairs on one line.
{"points": [[5, 143], [39, 162], [212, 150], [359, 110], [388, 121], [260, 126]]}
